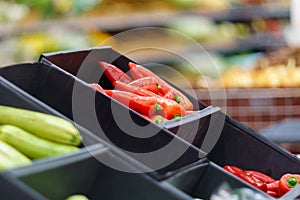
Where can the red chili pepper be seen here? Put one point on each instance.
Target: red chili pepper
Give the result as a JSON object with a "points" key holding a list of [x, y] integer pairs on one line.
{"points": [[113, 73], [133, 89], [263, 177], [287, 182], [233, 169], [255, 182], [140, 91], [248, 178], [272, 193], [151, 84], [139, 72], [273, 186], [148, 105], [97, 87]]}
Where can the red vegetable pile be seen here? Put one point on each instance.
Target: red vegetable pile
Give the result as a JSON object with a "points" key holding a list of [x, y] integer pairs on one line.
{"points": [[145, 92], [275, 188]]}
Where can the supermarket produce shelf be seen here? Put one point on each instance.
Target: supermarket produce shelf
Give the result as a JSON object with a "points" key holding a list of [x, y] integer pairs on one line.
{"points": [[256, 42], [247, 13], [119, 22]]}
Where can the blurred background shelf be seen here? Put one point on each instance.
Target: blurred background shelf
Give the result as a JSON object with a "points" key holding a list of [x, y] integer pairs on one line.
{"points": [[118, 23], [255, 107], [228, 39]]}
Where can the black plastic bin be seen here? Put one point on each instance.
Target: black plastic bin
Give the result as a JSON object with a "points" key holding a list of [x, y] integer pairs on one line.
{"points": [[13, 96], [203, 179], [84, 65], [12, 189], [84, 174], [238, 145], [54, 87]]}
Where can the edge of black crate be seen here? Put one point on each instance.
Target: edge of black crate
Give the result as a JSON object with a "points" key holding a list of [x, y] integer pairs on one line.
{"points": [[54, 162], [102, 152], [194, 187], [11, 188], [194, 116], [261, 138]]}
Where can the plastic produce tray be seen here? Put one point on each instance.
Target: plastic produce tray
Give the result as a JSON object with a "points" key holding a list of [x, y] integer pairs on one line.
{"points": [[200, 180], [84, 65], [13, 96], [84, 174]]}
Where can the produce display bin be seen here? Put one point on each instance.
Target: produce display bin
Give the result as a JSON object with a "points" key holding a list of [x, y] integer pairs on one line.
{"points": [[12, 189], [13, 96], [84, 65], [84, 174], [54, 87], [203, 179], [238, 145]]}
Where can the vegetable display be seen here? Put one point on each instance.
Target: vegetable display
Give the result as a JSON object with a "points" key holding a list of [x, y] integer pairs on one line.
{"points": [[145, 92], [26, 135], [43, 125], [274, 188]]}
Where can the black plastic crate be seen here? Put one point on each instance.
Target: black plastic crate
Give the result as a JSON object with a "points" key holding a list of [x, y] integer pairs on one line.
{"points": [[85, 174], [241, 146], [13, 96], [54, 87], [84, 65], [201, 180], [12, 189]]}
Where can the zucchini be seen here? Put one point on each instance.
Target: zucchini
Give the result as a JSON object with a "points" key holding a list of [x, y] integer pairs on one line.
{"points": [[77, 197], [40, 124], [32, 146], [13, 154], [6, 163]]}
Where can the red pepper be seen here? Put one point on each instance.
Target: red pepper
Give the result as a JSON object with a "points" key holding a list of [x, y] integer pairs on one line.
{"points": [[272, 193], [133, 89], [113, 73], [263, 177], [151, 84], [255, 182], [248, 178], [142, 92], [148, 105], [233, 169], [287, 182], [273, 186], [139, 72]]}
